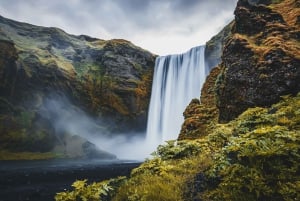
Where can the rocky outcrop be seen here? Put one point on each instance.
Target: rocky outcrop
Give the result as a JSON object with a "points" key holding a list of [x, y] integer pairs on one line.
{"points": [[78, 147], [261, 60], [258, 66], [109, 80], [214, 47], [200, 116]]}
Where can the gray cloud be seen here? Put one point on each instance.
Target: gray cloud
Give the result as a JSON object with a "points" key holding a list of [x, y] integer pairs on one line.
{"points": [[136, 20]]}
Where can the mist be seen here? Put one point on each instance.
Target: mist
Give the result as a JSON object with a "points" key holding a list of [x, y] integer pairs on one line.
{"points": [[66, 118]]}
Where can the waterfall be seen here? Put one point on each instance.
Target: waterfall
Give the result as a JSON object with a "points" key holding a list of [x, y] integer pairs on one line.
{"points": [[177, 80]]}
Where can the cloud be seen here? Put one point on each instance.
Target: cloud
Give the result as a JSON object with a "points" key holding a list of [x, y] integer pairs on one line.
{"points": [[161, 26]]}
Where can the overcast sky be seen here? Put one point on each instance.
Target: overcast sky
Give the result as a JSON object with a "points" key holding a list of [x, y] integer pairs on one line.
{"points": [[160, 26]]}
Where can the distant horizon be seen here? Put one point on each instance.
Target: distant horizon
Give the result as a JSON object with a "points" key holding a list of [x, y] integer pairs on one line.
{"points": [[176, 26]]}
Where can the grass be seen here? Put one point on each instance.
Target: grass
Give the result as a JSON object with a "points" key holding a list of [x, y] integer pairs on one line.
{"points": [[8, 155], [254, 157]]}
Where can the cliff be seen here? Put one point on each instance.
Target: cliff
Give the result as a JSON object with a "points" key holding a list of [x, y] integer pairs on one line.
{"points": [[260, 63], [215, 46], [261, 60], [108, 80]]}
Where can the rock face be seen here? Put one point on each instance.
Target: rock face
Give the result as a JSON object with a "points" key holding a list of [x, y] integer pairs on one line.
{"points": [[214, 47], [109, 80], [78, 147], [198, 117], [260, 63], [261, 60]]}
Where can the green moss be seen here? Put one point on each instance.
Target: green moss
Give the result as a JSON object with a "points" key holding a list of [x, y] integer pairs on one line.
{"points": [[276, 1], [22, 139], [9, 155], [254, 157], [175, 150], [25, 118], [261, 157], [159, 179], [96, 191], [20, 133]]}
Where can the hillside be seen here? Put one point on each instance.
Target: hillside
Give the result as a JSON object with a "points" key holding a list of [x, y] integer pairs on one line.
{"points": [[44, 68]]}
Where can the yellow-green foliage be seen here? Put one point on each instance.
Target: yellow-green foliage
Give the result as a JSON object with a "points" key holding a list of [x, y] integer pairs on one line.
{"points": [[255, 157], [276, 1], [19, 135], [97, 191], [165, 176], [8, 155], [261, 159]]}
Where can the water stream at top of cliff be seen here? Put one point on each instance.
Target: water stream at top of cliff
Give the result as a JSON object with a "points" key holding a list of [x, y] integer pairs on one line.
{"points": [[177, 80]]}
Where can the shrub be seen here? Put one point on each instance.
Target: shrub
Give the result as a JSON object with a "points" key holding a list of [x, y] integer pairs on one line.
{"points": [[97, 191]]}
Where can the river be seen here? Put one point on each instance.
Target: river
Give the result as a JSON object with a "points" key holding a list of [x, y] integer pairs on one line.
{"points": [[40, 180]]}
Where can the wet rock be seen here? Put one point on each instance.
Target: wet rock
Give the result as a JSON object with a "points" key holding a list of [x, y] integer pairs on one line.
{"points": [[90, 151], [74, 146]]}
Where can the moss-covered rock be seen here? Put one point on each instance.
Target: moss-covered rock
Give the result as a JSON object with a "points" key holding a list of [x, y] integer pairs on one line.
{"points": [[254, 157], [214, 47], [109, 80], [199, 116], [259, 159], [261, 60]]}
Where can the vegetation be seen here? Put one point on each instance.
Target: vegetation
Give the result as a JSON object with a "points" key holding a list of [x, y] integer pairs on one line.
{"points": [[260, 160], [92, 192], [9, 155], [164, 177], [21, 134], [254, 157], [106, 79]]}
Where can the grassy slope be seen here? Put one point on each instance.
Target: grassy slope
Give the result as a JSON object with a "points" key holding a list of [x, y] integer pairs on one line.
{"points": [[254, 157], [36, 62]]}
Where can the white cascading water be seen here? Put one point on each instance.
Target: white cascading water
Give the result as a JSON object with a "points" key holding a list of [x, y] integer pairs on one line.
{"points": [[177, 80]]}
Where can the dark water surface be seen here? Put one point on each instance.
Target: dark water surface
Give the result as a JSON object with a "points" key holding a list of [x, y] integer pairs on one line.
{"points": [[40, 180]]}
